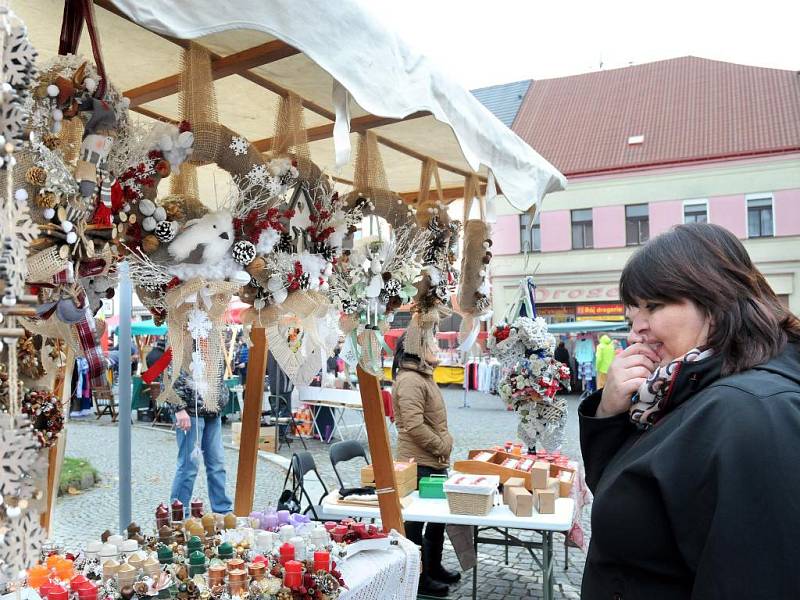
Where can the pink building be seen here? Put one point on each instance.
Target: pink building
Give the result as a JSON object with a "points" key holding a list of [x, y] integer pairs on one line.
{"points": [[645, 148]]}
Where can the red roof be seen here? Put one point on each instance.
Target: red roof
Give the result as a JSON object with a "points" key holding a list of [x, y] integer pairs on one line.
{"points": [[688, 109]]}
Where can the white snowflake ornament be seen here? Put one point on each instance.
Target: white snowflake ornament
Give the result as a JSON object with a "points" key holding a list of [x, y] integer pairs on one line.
{"points": [[199, 324], [257, 174], [239, 145]]}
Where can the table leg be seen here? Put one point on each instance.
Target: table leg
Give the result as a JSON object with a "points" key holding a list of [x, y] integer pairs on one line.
{"points": [[547, 564], [475, 568], [506, 548]]}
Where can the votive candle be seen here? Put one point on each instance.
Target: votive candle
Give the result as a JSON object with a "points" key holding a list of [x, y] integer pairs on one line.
{"points": [[293, 576], [286, 552], [322, 560]]}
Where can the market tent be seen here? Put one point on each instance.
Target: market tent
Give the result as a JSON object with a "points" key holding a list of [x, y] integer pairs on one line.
{"points": [[587, 326], [262, 50], [146, 328]]}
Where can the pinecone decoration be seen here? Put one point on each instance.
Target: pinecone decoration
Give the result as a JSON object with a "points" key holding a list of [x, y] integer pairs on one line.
{"points": [[244, 252], [349, 306], [285, 244], [51, 141], [28, 357], [166, 231], [174, 211], [46, 200], [36, 176]]}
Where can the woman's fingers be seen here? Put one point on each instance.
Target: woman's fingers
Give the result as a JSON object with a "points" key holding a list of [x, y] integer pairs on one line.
{"points": [[639, 360], [631, 386]]}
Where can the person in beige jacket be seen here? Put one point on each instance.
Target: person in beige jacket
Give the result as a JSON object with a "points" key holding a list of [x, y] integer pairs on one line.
{"points": [[421, 418]]}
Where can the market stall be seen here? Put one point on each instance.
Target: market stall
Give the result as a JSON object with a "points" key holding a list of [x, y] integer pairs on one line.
{"points": [[276, 242]]}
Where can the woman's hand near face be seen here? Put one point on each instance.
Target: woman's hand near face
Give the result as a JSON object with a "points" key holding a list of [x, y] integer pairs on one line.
{"points": [[628, 371]]}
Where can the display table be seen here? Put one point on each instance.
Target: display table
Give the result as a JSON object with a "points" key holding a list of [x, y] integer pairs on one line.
{"points": [[500, 517], [390, 575], [337, 400]]}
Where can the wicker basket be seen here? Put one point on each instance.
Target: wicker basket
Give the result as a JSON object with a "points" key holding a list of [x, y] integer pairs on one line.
{"points": [[470, 504]]}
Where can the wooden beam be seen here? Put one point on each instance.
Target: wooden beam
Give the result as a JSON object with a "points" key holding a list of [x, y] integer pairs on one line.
{"points": [[251, 423], [380, 451], [55, 454], [357, 125], [221, 67], [450, 194]]}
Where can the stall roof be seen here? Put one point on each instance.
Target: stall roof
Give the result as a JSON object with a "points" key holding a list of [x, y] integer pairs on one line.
{"points": [[262, 50], [587, 326]]}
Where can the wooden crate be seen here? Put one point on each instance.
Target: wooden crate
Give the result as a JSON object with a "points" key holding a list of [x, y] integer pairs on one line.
{"points": [[493, 467], [405, 475]]}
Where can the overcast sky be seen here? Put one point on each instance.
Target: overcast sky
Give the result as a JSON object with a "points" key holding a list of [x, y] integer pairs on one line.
{"points": [[484, 42]]}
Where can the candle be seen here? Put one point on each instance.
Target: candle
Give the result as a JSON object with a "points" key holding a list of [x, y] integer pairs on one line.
{"points": [[319, 537], [225, 550], [45, 589], [237, 581], [360, 529], [265, 540], [197, 508], [136, 560], [162, 515], [209, 523], [151, 567], [176, 508], [110, 568], [74, 583], [108, 551], [93, 549], [230, 521], [216, 575], [286, 532], [330, 526], [195, 544], [194, 526], [87, 591], [260, 558], [286, 552], [257, 570], [57, 593], [126, 575], [129, 546], [197, 563], [165, 534], [293, 577], [283, 517], [38, 575], [117, 540], [235, 564], [322, 560], [338, 533], [165, 555], [270, 521], [299, 547], [64, 569]]}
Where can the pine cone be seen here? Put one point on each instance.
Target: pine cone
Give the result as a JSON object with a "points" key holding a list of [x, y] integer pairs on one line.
{"points": [[46, 200], [51, 141], [36, 176], [174, 211]]}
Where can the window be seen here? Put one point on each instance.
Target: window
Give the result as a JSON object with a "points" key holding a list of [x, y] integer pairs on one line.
{"points": [[695, 212], [637, 224], [759, 217], [582, 229], [530, 237]]}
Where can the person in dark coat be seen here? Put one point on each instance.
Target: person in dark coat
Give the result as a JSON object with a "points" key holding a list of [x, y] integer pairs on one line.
{"points": [[562, 354], [691, 449]]}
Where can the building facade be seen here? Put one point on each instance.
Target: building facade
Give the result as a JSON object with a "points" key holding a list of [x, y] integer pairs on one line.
{"points": [[646, 148]]}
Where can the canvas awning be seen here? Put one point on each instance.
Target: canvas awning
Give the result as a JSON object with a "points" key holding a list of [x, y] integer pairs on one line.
{"points": [[260, 54]]}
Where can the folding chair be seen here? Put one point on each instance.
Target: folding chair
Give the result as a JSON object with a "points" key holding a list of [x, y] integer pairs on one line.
{"points": [[302, 464], [343, 452], [104, 403]]}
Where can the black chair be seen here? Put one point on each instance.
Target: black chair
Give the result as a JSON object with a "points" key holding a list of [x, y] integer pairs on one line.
{"points": [[302, 464], [344, 451]]}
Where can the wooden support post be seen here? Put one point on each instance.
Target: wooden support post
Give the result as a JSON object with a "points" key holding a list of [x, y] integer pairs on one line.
{"points": [[251, 423], [380, 450], [55, 454]]}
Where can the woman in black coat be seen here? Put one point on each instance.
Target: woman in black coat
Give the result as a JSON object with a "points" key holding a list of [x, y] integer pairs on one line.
{"points": [[693, 447]]}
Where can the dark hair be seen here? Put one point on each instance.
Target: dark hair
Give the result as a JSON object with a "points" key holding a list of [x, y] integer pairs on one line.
{"points": [[400, 355], [709, 266]]}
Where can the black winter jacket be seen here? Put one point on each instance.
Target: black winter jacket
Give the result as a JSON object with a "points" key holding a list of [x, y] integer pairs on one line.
{"points": [[706, 504]]}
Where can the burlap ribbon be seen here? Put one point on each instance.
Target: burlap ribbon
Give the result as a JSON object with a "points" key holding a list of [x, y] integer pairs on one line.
{"points": [[430, 170], [213, 297], [303, 309], [421, 332]]}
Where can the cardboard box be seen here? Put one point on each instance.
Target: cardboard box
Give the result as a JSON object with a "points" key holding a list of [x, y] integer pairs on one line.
{"points": [[510, 484], [554, 485], [545, 501], [405, 474], [565, 481], [539, 474], [519, 500], [266, 439]]}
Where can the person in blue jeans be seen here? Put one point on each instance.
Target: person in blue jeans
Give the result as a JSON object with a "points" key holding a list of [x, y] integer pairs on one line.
{"points": [[193, 420]]}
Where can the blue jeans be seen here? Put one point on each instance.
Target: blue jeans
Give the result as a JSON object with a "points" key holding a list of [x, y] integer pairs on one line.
{"points": [[210, 431]]}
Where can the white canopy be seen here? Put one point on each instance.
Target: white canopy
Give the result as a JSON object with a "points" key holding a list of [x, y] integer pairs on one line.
{"points": [[268, 47]]}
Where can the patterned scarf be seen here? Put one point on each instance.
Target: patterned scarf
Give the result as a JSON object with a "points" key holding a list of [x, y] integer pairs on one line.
{"points": [[649, 403]]}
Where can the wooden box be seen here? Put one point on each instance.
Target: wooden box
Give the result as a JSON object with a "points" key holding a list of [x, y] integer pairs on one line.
{"points": [[492, 466], [405, 474], [266, 439], [545, 501], [519, 500]]}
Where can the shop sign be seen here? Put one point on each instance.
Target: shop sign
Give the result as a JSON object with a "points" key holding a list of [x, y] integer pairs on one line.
{"points": [[576, 293], [600, 310]]}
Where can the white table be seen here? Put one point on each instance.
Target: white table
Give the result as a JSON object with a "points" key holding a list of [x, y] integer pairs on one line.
{"points": [[336, 399], [382, 575], [500, 517]]}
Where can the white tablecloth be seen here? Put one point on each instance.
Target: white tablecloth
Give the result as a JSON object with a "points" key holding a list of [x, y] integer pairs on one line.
{"points": [[382, 575]]}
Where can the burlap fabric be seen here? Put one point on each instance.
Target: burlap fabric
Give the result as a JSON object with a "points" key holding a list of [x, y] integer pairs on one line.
{"points": [[213, 297], [43, 265], [290, 139], [301, 310], [369, 181], [429, 173]]}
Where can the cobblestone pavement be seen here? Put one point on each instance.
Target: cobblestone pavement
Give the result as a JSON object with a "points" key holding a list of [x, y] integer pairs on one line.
{"points": [[83, 517]]}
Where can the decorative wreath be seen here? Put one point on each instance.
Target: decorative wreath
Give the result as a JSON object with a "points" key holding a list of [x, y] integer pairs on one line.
{"points": [[45, 414]]}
